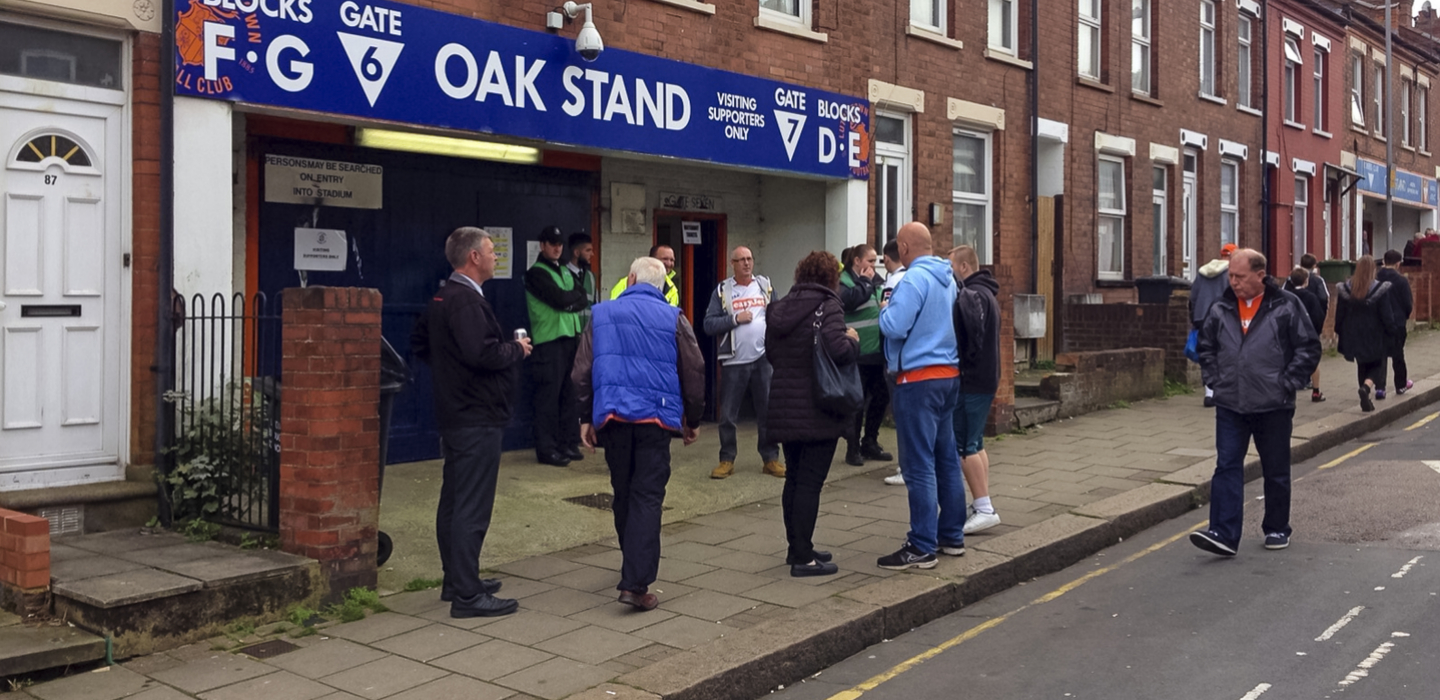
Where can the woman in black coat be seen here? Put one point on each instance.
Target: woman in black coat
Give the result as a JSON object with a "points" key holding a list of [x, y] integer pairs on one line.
{"points": [[1364, 320], [807, 433]]}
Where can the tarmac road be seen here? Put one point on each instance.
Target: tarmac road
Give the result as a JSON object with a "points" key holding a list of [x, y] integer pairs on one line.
{"points": [[1349, 610]]}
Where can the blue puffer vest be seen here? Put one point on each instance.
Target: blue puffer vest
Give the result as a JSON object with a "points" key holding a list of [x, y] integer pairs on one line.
{"points": [[636, 368]]}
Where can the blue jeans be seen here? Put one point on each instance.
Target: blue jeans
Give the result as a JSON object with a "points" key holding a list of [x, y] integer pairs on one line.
{"points": [[930, 463], [1227, 490]]}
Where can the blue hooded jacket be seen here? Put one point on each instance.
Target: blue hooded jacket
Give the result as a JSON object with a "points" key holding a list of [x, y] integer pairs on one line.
{"points": [[917, 321]]}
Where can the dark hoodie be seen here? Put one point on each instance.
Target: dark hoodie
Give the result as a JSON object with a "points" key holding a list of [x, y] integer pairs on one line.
{"points": [[789, 344], [1365, 326], [977, 333]]}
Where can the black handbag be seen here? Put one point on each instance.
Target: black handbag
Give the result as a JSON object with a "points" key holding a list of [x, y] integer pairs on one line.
{"points": [[837, 387]]}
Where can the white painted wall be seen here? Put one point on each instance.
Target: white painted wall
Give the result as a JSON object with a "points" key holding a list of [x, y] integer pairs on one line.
{"points": [[204, 198], [847, 204], [792, 224]]}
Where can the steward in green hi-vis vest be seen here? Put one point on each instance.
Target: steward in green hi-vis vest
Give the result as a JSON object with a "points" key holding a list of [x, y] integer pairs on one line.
{"points": [[547, 322], [866, 318]]}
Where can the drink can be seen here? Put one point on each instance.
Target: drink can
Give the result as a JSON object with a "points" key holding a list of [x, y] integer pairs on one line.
{"points": [[521, 334]]}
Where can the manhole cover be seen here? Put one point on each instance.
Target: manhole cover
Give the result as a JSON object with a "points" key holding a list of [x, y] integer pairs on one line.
{"points": [[265, 650], [601, 501]]}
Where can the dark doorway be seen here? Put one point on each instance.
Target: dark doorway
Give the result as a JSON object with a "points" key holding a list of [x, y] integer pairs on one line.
{"points": [[700, 267]]}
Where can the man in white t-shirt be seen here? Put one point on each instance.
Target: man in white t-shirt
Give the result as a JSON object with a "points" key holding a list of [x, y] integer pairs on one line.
{"points": [[736, 315]]}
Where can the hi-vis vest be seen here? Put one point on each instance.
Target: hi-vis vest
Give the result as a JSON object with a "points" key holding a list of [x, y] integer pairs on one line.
{"points": [[546, 322], [866, 319], [672, 293]]}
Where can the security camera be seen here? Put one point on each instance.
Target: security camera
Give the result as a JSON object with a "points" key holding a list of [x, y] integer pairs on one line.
{"points": [[588, 43]]}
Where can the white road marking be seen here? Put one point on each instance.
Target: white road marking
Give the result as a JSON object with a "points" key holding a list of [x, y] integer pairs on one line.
{"points": [[1363, 669], [1406, 569], [1399, 634], [1433, 464], [1257, 692], [1340, 624]]}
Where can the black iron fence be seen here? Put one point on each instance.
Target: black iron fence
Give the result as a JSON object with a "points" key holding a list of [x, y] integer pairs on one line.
{"points": [[223, 462]]}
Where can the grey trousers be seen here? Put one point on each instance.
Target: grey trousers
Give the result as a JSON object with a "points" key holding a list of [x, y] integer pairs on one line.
{"points": [[735, 381]]}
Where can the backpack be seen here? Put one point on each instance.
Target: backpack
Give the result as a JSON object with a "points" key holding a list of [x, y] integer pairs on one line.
{"points": [[969, 315]]}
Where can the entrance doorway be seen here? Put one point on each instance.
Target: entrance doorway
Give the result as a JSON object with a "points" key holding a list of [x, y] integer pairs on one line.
{"points": [[700, 267]]}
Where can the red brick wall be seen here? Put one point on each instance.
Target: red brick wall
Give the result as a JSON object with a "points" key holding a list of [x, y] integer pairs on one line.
{"points": [[145, 244], [24, 561], [329, 431], [1095, 327]]}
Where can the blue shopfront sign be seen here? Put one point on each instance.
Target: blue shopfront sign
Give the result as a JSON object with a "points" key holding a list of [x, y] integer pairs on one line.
{"points": [[400, 63], [1408, 186]]}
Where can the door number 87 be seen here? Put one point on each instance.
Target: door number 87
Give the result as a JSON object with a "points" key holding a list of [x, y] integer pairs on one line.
{"points": [[51, 179]]}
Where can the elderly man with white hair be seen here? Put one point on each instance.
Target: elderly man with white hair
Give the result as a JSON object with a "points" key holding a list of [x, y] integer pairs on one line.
{"points": [[640, 378]]}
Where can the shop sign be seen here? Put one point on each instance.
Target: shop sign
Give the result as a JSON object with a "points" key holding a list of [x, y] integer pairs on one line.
{"points": [[401, 63], [689, 202], [1408, 186], [320, 249], [328, 183]]}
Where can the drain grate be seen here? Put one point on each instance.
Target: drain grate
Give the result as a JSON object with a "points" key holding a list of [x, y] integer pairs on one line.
{"points": [[265, 650], [598, 501]]}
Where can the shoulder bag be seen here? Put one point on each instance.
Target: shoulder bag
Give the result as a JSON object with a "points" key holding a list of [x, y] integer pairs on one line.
{"points": [[837, 388]]}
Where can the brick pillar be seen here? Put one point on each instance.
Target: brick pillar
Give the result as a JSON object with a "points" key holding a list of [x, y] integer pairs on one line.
{"points": [[24, 562], [329, 431]]}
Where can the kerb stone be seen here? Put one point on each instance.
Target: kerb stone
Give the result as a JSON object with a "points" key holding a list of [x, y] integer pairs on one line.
{"points": [[1136, 510], [908, 601], [1051, 545]]}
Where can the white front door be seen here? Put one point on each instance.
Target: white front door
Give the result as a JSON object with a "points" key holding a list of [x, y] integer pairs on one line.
{"points": [[60, 270], [1189, 218]]}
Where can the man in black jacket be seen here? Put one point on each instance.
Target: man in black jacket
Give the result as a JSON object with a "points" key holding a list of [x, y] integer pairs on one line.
{"points": [[1402, 300], [473, 362], [977, 333], [1255, 379], [1304, 287]]}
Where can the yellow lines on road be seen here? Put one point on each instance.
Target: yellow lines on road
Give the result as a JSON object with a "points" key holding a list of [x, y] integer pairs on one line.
{"points": [[1421, 423], [875, 681], [1347, 455]]}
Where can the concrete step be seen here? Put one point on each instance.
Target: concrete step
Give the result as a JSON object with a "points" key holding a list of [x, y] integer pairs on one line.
{"points": [[31, 648], [1027, 388], [1034, 411]]}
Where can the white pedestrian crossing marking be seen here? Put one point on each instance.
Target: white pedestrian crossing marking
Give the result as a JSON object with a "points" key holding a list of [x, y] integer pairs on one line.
{"points": [[1433, 464]]}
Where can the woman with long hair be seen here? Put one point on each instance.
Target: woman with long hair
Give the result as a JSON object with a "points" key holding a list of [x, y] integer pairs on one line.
{"points": [[861, 288], [808, 433], [1364, 320]]}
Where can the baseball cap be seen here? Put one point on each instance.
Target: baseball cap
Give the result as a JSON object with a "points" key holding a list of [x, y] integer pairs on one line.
{"points": [[1227, 249], [550, 235]]}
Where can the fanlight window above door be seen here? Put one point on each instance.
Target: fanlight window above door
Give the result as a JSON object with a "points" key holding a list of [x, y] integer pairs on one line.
{"points": [[45, 146]]}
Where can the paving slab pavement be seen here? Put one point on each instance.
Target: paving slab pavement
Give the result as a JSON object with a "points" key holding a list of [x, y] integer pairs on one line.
{"points": [[731, 622]]}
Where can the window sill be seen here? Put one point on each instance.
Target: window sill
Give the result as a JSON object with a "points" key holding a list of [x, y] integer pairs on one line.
{"points": [[1094, 84], [999, 55], [763, 21], [703, 8], [1294, 125], [1408, 148], [1250, 111], [1323, 133], [922, 32], [1378, 137], [1425, 153], [1114, 283], [1214, 98], [1360, 129], [1146, 99]]}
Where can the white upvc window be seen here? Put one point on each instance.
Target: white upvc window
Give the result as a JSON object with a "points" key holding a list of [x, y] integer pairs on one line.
{"points": [[1089, 41], [1301, 214], [797, 11], [891, 173], [1292, 80], [1003, 28], [1405, 112], [1246, 98], [1140, 46], [1207, 47], [1160, 208], [1229, 201], [928, 13], [1357, 90], [1110, 222], [1422, 109], [1318, 72], [971, 192], [1380, 127]]}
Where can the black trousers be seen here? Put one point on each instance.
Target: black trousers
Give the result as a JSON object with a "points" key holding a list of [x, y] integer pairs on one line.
{"points": [[806, 466], [557, 409], [467, 499], [877, 399], [638, 455], [1373, 370], [1397, 359]]}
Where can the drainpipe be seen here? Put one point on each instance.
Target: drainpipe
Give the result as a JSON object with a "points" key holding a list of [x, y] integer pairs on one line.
{"points": [[165, 262], [1265, 203], [1034, 99], [1389, 131]]}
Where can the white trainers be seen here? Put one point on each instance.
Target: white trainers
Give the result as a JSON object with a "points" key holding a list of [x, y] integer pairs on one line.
{"points": [[981, 521], [895, 479]]}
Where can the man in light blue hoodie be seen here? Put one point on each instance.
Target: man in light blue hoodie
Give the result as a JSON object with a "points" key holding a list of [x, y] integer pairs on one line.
{"points": [[920, 351]]}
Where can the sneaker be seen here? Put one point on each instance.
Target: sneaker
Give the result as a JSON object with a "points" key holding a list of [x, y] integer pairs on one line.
{"points": [[1209, 402], [723, 471], [773, 468], [1402, 389], [1210, 542], [1276, 540], [981, 521], [907, 557], [1317, 396], [952, 550], [1379, 394], [896, 479], [1366, 404]]}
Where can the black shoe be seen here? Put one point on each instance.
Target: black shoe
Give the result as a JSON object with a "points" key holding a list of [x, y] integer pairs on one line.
{"points": [[1276, 540], [1317, 396], [873, 451], [908, 557], [817, 554], [1366, 404], [852, 456], [819, 568], [488, 586], [554, 459], [1210, 542], [572, 453], [1209, 402], [639, 601], [484, 605]]}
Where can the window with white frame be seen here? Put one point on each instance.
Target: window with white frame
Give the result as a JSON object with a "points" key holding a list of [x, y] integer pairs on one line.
{"points": [[1003, 26], [891, 174], [1243, 28], [1318, 87], [1292, 80], [792, 10], [929, 14], [1110, 222], [1405, 112], [1229, 201], [1357, 90], [1160, 208], [970, 192], [1379, 92], [1422, 107], [1089, 40], [1207, 47], [1140, 46], [1301, 213]]}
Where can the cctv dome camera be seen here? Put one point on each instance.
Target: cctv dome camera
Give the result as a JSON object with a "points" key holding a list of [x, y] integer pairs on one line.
{"points": [[588, 43]]}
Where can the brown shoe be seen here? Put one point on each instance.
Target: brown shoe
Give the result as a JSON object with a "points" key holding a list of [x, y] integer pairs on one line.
{"points": [[640, 601], [774, 468], [723, 471]]}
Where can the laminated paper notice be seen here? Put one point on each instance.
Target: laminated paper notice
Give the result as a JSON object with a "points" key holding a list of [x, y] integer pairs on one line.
{"points": [[504, 240], [320, 249]]}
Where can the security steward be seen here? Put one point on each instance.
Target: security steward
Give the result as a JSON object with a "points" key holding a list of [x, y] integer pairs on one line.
{"points": [[666, 255], [555, 302]]}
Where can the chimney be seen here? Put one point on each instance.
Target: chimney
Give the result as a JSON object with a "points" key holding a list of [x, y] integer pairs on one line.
{"points": [[1428, 20], [1375, 10]]}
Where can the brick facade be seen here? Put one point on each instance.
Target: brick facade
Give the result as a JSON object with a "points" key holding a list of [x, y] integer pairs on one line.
{"points": [[145, 244], [329, 431], [24, 562], [1097, 327]]}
